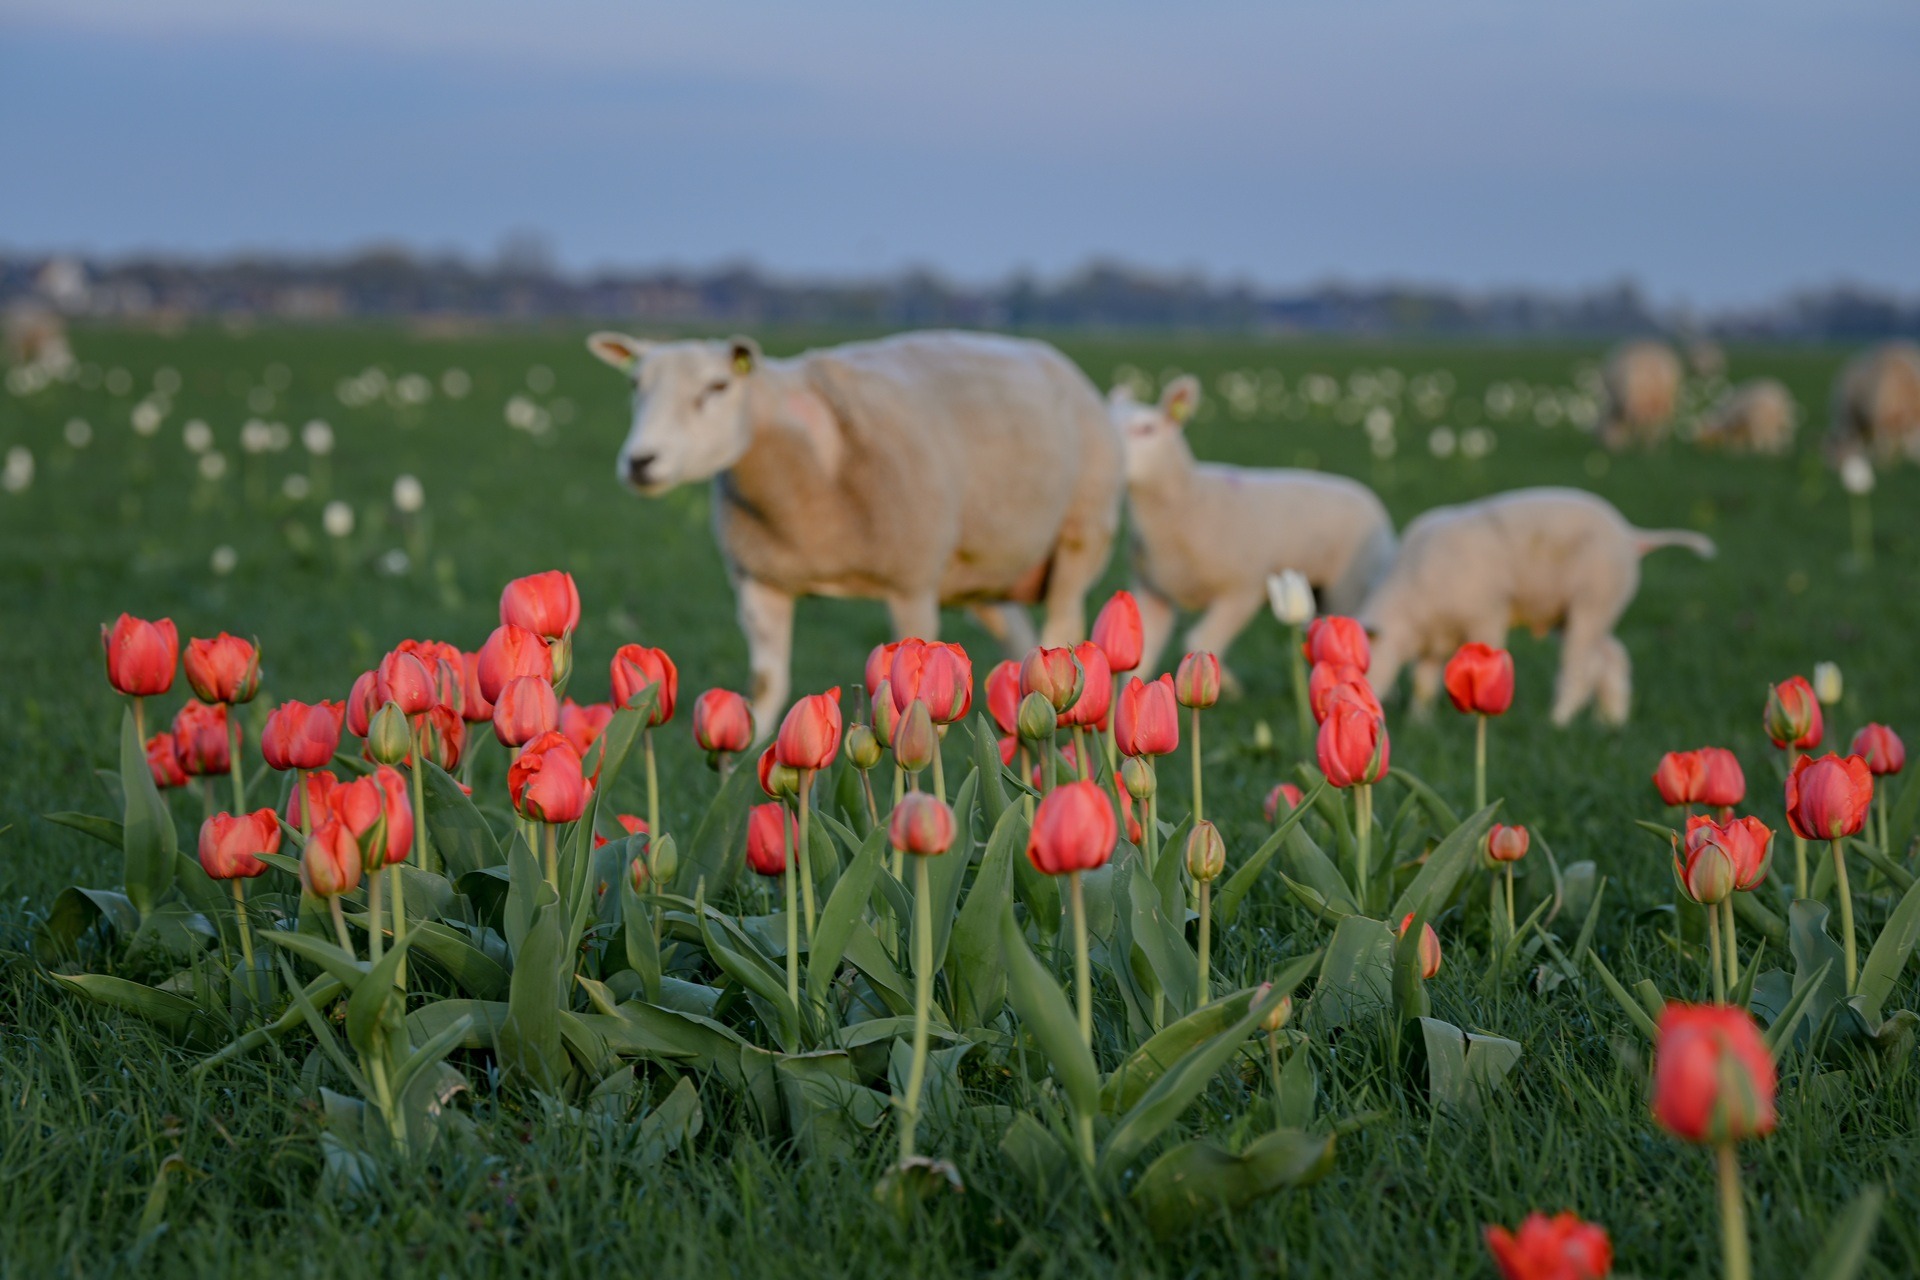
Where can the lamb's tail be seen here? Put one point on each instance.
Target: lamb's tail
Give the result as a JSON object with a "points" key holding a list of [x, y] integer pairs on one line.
{"points": [[1645, 540]]}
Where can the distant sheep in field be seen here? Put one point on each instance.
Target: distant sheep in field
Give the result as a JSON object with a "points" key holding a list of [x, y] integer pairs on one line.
{"points": [[1754, 417], [1535, 558], [1206, 536], [1641, 382], [1876, 405], [37, 337]]}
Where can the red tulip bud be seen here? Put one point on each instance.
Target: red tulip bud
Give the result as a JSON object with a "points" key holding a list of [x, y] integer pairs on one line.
{"points": [[223, 669], [1713, 1076], [141, 655]]}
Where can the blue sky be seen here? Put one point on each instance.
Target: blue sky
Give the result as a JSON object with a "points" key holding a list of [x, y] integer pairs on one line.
{"points": [[1719, 153]]}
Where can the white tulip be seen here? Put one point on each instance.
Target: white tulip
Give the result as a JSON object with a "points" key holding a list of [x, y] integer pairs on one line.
{"points": [[337, 519], [1827, 684], [1291, 596]]}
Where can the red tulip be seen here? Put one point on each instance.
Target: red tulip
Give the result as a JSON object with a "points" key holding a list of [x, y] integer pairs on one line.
{"points": [[915, 739], [231, 844], [886, 720], [200, 739], [1722, 782], [722, 721], [141, 655], [636, 669], [1009, 748], [404, 680], [879, 663], [1479, 679], [771, 831], [1073, 830], [933, 672], [584, 725], [525, 709], [163, 761], [1678, 777], [1352, 746], [1003, 697], [776, 779], [1704, 867], [319, 792], [223, 669], [1090, 709], [1747, 842], [1197, 682], [362, 702], [510, 653], [1146, 723], [921, 824], [330, 863], [1283, 793], [1881, 748], [1135, 832], [299, 736], [1558, 1248], [1507, 844], [443, 736], [1429, 946], [810, 735], [1827, 798], [376, 810], [446, 667], [1792, 717], [1330, 678], [1713, 1078], [475, 706], [1118, 632], [1054, 674], [633, 826], [546, 781], [1338, 640], [547, 604]]}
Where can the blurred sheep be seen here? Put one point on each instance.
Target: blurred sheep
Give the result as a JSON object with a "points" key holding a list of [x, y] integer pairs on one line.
{"points": [[1754, 417], [1641, 385], [36, 337], [1876, 405]]}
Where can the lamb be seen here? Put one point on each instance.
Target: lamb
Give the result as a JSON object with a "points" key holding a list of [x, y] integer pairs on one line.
{"points": [[1206, 536], [1642, 383], [1758, 417], [1876, 405], [923, 469], [1537, 558]]}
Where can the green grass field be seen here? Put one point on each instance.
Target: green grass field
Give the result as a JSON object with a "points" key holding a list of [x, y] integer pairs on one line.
{"points": [[95, 1105]]}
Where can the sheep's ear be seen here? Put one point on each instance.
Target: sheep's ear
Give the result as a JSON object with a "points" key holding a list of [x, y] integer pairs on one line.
{"points": [[1120, 394], [743, 355], [619, 350], [1180, 398]]}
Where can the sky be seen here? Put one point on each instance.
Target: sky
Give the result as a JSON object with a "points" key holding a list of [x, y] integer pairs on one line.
{"points": [[1717, 153]]}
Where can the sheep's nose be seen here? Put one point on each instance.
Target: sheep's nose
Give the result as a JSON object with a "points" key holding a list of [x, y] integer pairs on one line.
{"points": [[637, 467]]}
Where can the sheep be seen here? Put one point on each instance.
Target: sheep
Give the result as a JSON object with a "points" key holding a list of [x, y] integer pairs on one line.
{"points": [[1876, 405], [922, 469], [1537, 558], [1757, 416], [1642, 383], [36, 337], [1206, 536]]}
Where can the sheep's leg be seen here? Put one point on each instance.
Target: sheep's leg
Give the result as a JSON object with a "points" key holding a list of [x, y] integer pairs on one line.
{"points": [[766, 616], [1426, 688], [1079, 558], [1156, 624], [915, 615], [1615, 694], [1582, 660], [1009, 626], [1225, 619]]}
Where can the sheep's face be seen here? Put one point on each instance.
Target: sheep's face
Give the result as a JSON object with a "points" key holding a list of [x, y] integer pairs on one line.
{"points": [[1153, 436], [689, 408]]}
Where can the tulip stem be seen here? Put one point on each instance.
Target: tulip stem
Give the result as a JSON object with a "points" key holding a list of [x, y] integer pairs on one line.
{"points": [[806, 864], [340, 933], [1049, 764], [420, 852], [1082, 971], [233, 763], [1714, 953], [246, 932], [939, 770], [1880, 805], [1206, 938], [1735, 1262], [1362, 839], [793, 918], [376, 931], [1731, 942], [1802, 887], [866, 786], [1480, 763], [1199, 811], [1026, 775], [1080, 755], [1113, 742], [1273, 1063], [653, 790], [1511, 929], [1848, 945], [922, 1002], [1153, 860], [306, 816], [1301, 702], [139, 719]]}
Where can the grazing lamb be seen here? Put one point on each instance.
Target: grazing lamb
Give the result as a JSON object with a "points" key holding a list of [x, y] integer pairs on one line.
{"points": [[1876, 405], [1537, 558], [1755, 417], [923, 469], [1642, 383], [1206, 535]]}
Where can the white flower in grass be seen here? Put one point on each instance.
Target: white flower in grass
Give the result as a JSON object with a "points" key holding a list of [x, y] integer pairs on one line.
{"points": [[79, 432], [408, 494], [255, 436], [1476, 442], [412, 388], [296, 487], [197, 435], [1827, 684], [395, 563], [146, 417], [337, 519], [317, 437], [1291, 596], [455, 384], [1856, 475], [213, 464], [17, 474], [224, 560], [1441, 442]]}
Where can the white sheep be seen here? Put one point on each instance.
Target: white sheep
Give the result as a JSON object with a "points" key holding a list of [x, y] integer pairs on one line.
{"points": [[1758, 417], [1642, 384], [1876, 405], [1535, 558], [1206, 536]]}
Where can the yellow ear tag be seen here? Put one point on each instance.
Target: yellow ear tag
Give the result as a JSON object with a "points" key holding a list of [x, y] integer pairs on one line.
{"points": [[1179, 409], [742, 362]]}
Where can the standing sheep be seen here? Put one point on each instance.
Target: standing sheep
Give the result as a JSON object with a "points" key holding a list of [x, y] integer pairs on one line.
{"points": [[1876, 405], [1642, 384], [1206, 536], [1535, 558], [920, 470], [1756, 417]]}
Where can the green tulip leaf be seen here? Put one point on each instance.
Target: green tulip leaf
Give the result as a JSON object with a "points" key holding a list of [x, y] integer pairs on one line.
{"points": [[1195, 1177]]}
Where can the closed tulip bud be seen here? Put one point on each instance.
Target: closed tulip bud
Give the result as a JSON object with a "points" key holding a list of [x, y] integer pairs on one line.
{"points": [[362, 703], [1331, 680], [389, 737], [1147, 722], [330, 863], [1290, 596], [1723, 784], [1206, 852], [1713, 1076], [1003, 697], [1137, 775], [879, 664], [318, 793], [231, 844], [510, 653], [915, 739], [1507, 844], [862, 747], [1054, 674], [1827, 684], [1704, 869], [1558, 1248], [299, 736], [1677, 778], [1338, 640], [636, 669], [921, 824], [475, 706], [722, 722], [938, 674], [1089, 710], [886, 717], [163, 761], [666, 858], [200, 739], [1283, 794], [1277, 1017], [1747, 842], [223, 669], [637, 875], [141, 655], [443, 737], [1073, 830], [1352, 747], [1827, 799], [1037, 719], [403, 680], [1197, 682], [561, 651], [771, 831], [547, 604], [376, 810], [1479, 679], [1881, 748], [1792, 717], [809, 737], [1429, 946], [777, 779], [1119, 633], [546, 781]]}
